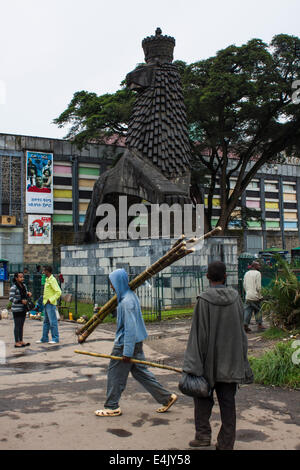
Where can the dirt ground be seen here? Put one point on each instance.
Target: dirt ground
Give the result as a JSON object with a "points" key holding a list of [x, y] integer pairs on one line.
{"points": [[48, 395]]}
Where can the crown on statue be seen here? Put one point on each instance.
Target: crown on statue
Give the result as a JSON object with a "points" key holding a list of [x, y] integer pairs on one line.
{"points": [[158, 47]]}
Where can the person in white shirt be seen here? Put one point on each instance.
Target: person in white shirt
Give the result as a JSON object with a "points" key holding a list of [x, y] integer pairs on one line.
{"points": [[252, 286]]}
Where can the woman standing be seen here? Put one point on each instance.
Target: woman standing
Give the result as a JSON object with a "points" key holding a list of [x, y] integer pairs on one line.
{"points": [[18, 296]]}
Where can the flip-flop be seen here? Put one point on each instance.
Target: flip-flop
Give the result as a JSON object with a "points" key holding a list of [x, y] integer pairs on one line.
{"points": [[22, 346], [171, 402], [108, 413], [27, 344]]}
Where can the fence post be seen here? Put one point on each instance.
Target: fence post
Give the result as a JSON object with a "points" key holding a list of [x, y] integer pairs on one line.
{"points": [[94, 289], [159, 294], [76, 292], [159, 309], [108, 288], [161, 298]]}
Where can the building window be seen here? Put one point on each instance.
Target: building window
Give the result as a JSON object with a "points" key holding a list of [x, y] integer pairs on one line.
{"points": [[11, 202], [290, 225], [289, 188], [271, 187], [4, 209], [254, 243], [252, 204], [253, 185]]}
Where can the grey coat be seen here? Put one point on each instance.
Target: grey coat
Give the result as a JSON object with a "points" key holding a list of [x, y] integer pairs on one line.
{"points": [[16, 301], [217, 346]]}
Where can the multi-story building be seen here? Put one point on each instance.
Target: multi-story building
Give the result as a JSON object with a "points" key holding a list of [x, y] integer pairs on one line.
{"points": [[74, 174], [275, 194]]}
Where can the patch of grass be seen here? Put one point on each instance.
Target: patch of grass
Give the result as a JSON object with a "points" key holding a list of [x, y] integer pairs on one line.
{"points": [[82, 309], [274, 333], [170, 314], [88, 310], [278, 333], [276, 367], [177, 311]]}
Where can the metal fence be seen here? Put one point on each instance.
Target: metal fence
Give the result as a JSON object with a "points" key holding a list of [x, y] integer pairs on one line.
{"points": [[31, 267], [163, 292]]}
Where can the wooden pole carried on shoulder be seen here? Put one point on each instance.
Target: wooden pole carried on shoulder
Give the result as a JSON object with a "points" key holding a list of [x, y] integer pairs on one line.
{"points": [[180, 249]]}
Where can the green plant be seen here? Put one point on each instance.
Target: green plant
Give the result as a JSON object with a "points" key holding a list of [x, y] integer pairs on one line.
{"points": [[274, 333], [8, 306], [276, 367], [282, 298]]}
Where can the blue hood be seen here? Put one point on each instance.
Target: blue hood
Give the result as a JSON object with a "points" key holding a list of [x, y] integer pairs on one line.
{"points": [[119, 280]]}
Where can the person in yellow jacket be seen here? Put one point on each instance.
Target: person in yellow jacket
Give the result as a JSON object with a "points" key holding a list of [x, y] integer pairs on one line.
{"points": [[52, 292]]}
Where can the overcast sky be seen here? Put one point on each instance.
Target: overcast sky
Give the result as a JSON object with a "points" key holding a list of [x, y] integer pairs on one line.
{"points": [[51, 49]]}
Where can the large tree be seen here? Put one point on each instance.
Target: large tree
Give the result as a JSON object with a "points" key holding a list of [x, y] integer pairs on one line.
{"points": [[240, 112]]}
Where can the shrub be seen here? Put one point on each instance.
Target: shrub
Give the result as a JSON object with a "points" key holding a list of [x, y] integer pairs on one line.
{"points": [[276, 367], [282, 298]]}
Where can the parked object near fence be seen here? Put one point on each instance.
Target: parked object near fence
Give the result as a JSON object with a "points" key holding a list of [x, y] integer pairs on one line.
{"points": [[65, 305], [180, 249], [4, 314]]}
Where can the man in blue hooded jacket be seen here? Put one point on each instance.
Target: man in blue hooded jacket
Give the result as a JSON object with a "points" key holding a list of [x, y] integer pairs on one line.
{"points": [[128, 344]]}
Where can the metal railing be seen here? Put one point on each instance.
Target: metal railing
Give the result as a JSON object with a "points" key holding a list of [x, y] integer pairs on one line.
{"points": [[161, 293], [31, 267]]}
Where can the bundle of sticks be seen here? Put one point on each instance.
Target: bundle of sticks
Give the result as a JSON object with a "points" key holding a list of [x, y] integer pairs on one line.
{"points": [[180, 249]]}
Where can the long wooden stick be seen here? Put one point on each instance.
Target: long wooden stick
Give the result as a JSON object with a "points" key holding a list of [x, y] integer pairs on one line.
{"points": [[134, 361], [177, 251]]}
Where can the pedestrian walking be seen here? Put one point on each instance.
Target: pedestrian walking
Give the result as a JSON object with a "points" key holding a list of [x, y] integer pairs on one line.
{"points": [[18, 296], [217, 350], [253, 298], [52, 292], [130, 334]]}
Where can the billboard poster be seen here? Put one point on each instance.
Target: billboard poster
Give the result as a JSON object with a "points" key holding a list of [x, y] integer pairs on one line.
{"points": [[39, 229], [39, 182]]}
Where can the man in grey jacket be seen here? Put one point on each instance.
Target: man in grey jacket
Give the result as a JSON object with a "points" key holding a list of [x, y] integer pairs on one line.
{"points": [[217, 349]]}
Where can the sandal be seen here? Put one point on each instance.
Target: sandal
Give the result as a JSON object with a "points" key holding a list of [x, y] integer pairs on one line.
{"points": [[21, 346], [108, 413], [171, 402]]}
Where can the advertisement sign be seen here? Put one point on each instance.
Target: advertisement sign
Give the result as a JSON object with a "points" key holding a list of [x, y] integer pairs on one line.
{"points": [[39, 182], [39, 230]]}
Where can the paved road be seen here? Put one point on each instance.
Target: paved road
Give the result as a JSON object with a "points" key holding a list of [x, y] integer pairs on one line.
{"points": [[48, 396]]}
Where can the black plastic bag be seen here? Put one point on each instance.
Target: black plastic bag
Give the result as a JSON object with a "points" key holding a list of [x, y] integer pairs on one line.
{"points": [[194, 386], [30, 305]]}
